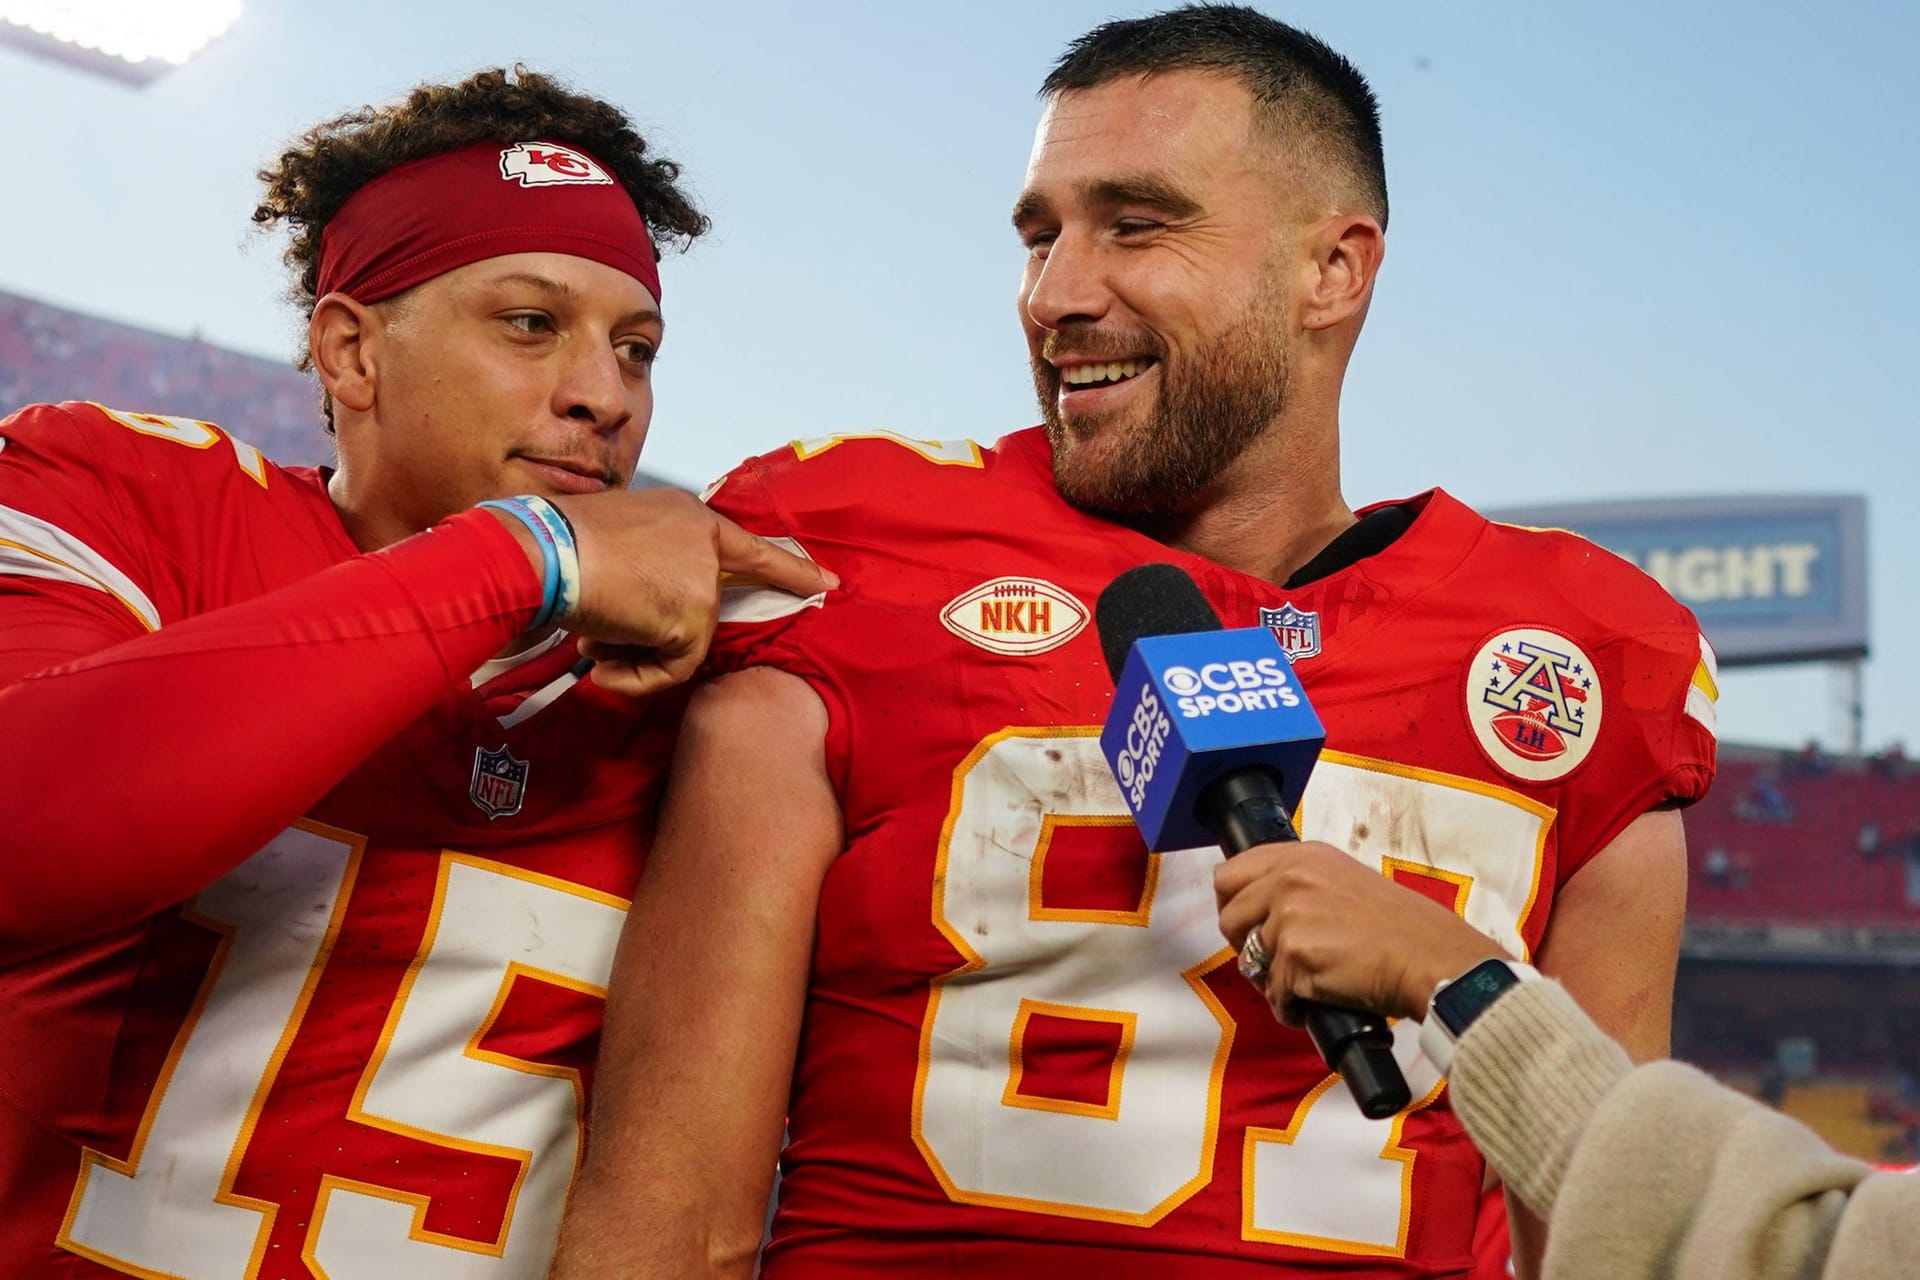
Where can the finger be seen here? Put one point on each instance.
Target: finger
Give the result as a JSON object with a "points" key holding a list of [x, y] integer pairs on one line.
{"points": [[1233, 875], [637, 671], [1287, 1007], [749, 554], [1240, 913], [605, 650], [630, 677]]}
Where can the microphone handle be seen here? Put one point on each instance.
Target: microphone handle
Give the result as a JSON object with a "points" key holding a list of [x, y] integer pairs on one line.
{"points": [[1244, 809]]}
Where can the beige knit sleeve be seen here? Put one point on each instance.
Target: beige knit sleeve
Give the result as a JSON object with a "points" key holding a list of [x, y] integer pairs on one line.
{"points": [[1659, 1170]]}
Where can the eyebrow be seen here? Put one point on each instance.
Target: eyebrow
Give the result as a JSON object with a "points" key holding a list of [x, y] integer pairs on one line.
{"points": [[1132, 189], [561, 288]]}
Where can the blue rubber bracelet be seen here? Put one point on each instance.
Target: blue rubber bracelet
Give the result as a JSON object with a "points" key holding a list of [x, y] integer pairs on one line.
{"points": [[561, 531], [520, 510]]}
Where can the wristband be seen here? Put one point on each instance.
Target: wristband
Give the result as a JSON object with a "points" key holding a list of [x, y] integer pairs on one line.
{"points": [[1458, 1002], [559, 557], [567, 598]]}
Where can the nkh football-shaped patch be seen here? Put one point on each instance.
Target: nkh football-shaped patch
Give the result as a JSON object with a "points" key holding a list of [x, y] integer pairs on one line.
{"points": [[1534, 701], [1017, 616], [547, 164]]}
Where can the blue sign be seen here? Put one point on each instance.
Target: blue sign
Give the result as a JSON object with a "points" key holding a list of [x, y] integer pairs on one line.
{"points": [[1187, 709], [1771, 579]]}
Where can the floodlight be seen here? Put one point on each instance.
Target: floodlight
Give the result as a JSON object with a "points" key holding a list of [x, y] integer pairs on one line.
{"points": [[137, 41]]}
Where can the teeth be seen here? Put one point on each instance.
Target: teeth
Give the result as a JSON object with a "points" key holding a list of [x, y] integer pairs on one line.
{"points": [[1113, 371]]}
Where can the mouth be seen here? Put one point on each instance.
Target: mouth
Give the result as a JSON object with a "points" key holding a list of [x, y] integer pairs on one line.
{"points": [[1093, 386], [1088, 375], [571, 475]]}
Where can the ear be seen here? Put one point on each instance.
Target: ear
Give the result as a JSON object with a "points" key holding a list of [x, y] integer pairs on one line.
{"points": [[342, 336], [1347, 251]]}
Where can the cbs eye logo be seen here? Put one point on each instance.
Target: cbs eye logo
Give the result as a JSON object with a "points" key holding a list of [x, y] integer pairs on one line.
{"points": [[1182, 680]]}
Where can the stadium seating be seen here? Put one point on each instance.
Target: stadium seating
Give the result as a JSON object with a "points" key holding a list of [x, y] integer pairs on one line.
{"points": [[1779, 839], [47, 353]]}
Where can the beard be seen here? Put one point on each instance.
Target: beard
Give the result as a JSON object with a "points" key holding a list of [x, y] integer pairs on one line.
{"points": [[1208, 410]]}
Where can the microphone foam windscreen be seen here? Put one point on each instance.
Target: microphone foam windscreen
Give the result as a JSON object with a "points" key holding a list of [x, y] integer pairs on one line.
{"points": [[1149, 600]]}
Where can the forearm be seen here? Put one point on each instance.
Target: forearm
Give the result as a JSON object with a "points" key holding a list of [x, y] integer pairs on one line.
{"points": [[1526, 1078], [1646, 1171], [137, 775], [707, 994]]}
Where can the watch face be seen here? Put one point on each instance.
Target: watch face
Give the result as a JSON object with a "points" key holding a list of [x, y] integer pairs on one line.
{"points": [[1466, 998]]}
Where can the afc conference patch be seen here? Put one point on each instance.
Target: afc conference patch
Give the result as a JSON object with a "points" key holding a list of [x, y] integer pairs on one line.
{"points": [[1534, 701], [499, 782], [1298, 630]]}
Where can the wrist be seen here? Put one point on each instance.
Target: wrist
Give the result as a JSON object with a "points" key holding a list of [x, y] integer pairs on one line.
{"points": [[1458, 1002], [547, 534], [1444, 964], [523, 536]]}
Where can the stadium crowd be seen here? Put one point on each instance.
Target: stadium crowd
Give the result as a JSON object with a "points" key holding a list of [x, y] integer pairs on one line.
{"points": [[48, 353]]}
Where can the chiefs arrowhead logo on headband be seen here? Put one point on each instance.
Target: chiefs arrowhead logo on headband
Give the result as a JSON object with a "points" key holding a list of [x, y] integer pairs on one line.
{"points": [[540, 164], [431, 216]]}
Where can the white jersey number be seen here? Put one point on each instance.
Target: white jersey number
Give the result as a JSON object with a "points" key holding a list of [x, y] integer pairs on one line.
{"points": [[1330, 1179], [169, 1208]]}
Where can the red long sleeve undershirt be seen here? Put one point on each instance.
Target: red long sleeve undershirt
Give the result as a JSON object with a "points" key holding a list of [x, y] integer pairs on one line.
{"points": [[137, 775]]}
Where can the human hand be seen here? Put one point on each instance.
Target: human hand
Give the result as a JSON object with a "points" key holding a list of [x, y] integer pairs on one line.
{"points": [[651, 562], [1340, 932]]}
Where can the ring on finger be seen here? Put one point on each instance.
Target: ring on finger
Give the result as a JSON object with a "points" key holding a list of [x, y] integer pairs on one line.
{"points": [[1254, 960]]}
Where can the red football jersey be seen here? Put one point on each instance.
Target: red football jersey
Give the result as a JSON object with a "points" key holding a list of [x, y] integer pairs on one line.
{"points": [[364, 1051], [1026, 1051]]}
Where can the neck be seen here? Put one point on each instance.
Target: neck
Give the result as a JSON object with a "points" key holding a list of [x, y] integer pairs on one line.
{"points": [[371, 526], [1271, 511]]}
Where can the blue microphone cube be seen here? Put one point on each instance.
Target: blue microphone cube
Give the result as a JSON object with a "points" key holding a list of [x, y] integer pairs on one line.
{"points": [[1189, 708]]}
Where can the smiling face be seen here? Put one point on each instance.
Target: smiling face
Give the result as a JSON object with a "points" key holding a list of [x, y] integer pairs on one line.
{"points": [[1155, 298], [527, 373]]}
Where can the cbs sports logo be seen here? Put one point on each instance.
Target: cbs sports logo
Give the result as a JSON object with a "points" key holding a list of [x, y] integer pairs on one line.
{"points": [[1230, 687]]}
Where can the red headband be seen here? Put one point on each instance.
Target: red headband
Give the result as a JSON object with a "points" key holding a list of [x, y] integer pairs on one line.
{"points": [[425, 218]]}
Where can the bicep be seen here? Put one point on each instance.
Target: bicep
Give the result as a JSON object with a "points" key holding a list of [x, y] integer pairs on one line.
{"points": [[1614, 937], [710, 980]]}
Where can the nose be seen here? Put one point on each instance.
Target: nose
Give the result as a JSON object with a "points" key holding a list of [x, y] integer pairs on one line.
{"points": [[592, 390], [1066, 286]]}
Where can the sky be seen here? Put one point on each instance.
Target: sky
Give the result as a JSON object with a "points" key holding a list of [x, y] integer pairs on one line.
{"points": [[1637, 249]]}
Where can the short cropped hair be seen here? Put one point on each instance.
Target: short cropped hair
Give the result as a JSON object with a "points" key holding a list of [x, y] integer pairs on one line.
{"points": [[1308, 93]]}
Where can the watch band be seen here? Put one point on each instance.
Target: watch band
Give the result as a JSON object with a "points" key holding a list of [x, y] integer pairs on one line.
{"points": [[1457, 1002]]}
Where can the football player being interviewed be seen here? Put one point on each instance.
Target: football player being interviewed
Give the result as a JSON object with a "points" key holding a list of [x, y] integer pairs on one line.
{"points": [[1005, 1038], [316, 844]]}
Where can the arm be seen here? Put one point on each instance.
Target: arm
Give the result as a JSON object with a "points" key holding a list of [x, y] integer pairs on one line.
{"points": [[1614, 942], [1659, 1171], [139, 768], [704, 1006], [138, 774]]}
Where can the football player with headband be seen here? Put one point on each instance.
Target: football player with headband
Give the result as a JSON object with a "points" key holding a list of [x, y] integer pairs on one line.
{"points": [[1004, 1038], [316, 842]]}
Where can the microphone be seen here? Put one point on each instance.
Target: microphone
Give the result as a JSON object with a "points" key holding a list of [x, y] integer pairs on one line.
{"points": [[1211, 739]]}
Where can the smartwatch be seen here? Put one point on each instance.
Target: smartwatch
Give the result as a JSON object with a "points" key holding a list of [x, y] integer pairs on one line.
{"points": [[1458, 1001]]}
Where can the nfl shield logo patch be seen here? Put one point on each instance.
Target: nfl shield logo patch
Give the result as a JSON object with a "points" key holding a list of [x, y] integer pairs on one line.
{"points": [[499, 782], [1298, 630]]}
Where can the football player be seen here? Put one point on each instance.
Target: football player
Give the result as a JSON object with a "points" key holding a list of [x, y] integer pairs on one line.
{"points": [[1007, 1040], [316, 845]]}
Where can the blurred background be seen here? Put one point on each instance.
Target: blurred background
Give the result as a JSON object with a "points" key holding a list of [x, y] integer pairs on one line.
{"points": [[1651, 277]]}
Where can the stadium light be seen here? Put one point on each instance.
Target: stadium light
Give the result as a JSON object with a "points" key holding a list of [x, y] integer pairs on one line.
{"points": [[136, 41]]}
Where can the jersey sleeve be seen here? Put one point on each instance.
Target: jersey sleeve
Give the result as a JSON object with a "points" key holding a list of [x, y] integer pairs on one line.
{"points": [[148, 752], [66, 541], [1658, 746], [763, 626]]}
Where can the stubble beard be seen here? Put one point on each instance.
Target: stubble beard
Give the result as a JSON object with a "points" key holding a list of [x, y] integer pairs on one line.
{"points": [[1133, 465]]}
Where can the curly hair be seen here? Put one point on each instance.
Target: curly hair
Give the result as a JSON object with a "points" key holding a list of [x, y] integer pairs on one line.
{"points": [[312, 179]]}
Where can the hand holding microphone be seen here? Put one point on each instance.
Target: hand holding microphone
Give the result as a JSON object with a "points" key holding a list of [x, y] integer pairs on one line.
{"points": [[1211, 740]]}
